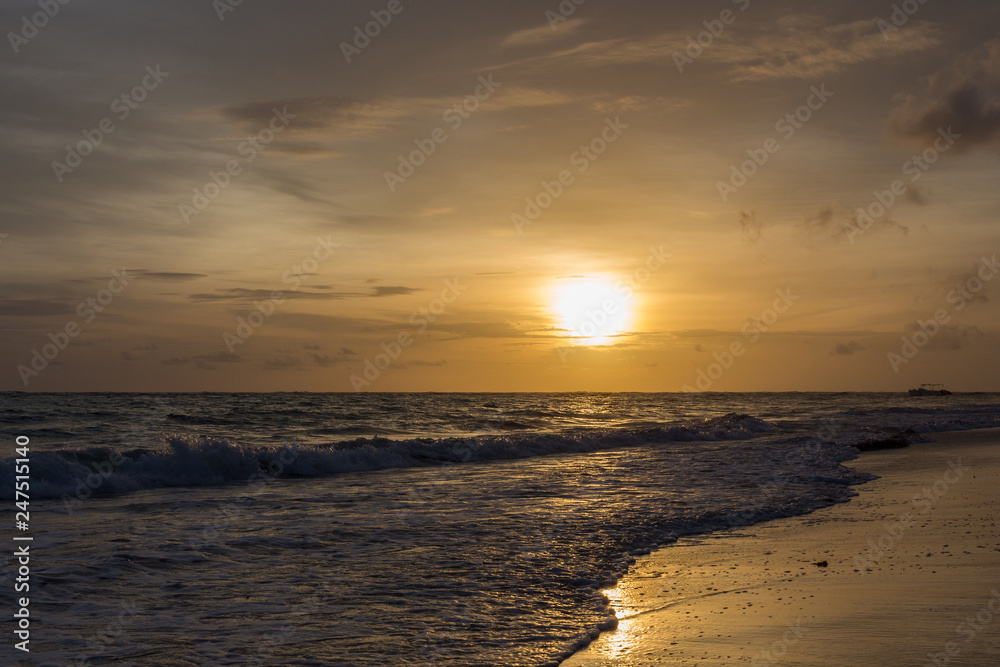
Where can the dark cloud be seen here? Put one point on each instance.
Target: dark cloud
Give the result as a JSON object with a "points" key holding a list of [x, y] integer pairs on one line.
{"points": [[949, 336], [425, 364], [240, 294], [326, 360], [394, 290], [750, 225], [221, 357], [485, 330], [833, 224], [310, 112], [167, 276], [33, 308], [915, 194], [282, 363], [964, 97], [847, 349], [828, 223]]}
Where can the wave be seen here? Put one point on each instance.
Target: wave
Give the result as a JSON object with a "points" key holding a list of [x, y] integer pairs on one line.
{"points": [[190, 461]]}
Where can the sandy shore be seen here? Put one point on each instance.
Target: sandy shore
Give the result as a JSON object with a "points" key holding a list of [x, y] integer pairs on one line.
{"points": [[912, 576]]}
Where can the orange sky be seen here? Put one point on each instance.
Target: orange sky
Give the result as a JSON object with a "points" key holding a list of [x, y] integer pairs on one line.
{"points": [[481, 180]]}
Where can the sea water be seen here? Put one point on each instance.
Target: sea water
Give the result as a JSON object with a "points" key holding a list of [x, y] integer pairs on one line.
{"points": [[396, 529]]}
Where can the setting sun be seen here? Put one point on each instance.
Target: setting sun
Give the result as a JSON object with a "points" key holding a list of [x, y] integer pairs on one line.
{"points": [[592, 310]]}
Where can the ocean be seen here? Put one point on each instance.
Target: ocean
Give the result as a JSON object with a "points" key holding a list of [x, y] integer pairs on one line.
{"points": [[396, 529]]}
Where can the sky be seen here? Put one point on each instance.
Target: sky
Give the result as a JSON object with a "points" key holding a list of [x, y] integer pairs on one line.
{"points": [[499, 196]]}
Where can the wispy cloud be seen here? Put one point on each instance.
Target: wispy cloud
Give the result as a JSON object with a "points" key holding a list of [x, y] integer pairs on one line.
{"points": [[541, 34], [800, 47]]}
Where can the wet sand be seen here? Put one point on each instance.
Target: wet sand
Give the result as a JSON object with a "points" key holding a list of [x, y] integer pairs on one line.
{"points": [[912, 576]]}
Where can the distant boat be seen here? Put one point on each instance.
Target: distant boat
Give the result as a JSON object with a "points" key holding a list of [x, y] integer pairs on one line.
{"points": [[930, 390]]}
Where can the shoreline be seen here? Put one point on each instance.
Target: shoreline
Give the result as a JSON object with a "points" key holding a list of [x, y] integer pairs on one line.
{"points": [[911, 576]]}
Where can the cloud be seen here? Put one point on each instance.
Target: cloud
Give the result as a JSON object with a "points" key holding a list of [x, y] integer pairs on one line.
{"points": [[424, 364], [831, 224], [799, 47], [431, 212], [915, 194], [242, 295], [959, 282], [222, 357], [282, 363], [750, 225], [394, 290], [540, 34], [167, 276], [320, 120], [314, 113], [485, 330], [803, 47], [33, 308], [964, 96], [847, 349], [326, 361], [176, 361], [949, 336]]}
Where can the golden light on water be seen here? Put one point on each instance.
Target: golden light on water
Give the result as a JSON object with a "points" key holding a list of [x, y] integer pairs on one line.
{"points": [[592, 310]]}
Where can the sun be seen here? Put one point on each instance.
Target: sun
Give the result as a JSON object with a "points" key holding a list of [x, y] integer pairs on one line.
{"points": [[592, 310]]}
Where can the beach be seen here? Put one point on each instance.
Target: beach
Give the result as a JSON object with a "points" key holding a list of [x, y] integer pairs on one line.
{"points": [[906, 573]]}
